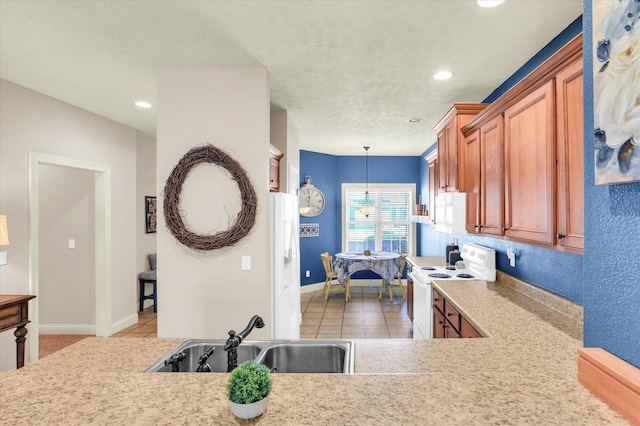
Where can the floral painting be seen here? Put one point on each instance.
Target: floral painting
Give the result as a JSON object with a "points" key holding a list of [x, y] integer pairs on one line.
{"points": [[616, 75]]}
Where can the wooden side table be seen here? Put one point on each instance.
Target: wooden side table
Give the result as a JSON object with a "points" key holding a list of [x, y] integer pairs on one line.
{"points": [[14, 312]]}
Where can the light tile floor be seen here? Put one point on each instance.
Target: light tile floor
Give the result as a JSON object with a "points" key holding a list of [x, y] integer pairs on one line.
{"points": [[363, 317]]}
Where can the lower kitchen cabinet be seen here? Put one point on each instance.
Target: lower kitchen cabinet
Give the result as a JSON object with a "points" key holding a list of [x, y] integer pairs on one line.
{"points": [[409, 296], [448, 322]]}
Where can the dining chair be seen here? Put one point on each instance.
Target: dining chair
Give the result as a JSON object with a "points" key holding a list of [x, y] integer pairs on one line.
{"points": [[331, 275], [402, 261]]}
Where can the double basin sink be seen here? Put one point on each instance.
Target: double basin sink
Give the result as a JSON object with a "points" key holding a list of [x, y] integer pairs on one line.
{"points": [[281, 356]]}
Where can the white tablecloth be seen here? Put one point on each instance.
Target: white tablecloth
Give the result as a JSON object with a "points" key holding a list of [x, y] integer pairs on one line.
{"points": [[382, 263]]}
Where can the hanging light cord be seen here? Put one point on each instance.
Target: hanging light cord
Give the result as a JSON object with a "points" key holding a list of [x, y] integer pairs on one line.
{"points": [[366, 174]]}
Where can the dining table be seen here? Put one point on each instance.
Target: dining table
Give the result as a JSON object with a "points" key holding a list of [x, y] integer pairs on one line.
{"points": [[383, 263]]}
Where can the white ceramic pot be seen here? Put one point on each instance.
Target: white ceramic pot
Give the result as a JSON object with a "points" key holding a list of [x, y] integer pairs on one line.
{"points": [[249, 411]]}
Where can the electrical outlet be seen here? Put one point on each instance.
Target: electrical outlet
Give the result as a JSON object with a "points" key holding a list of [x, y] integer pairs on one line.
{"points": [[307, 274], [72, 243]]}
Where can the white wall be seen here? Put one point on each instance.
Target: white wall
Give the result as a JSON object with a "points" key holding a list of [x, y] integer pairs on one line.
{"points": [[205, 294], [33, 122], [67, 286], [145, 186]]}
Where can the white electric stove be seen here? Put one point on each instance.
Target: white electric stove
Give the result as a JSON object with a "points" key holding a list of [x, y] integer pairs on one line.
{"points": [[480, 264]]}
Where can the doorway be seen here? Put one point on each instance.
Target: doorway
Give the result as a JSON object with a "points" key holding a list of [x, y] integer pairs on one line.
{"points": [[101, 236]]}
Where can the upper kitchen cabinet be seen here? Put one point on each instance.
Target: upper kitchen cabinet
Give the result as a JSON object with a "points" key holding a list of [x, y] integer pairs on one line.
{"points": [[432, 160], [524, 158], [485, 178], [570, 146], [530, 168], [450, 149], [274, 168]]}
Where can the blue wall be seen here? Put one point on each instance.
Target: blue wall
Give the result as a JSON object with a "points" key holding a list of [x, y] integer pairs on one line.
{"points": [[612, 244], [556, 271], [328, 172]]}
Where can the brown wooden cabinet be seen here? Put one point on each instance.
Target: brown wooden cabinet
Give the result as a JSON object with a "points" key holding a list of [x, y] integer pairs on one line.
{"points": [[409, 292], [570, 159], [530, 167], [541, 143], [451, 174], [432, 159], [485, 178], [274, 168], [448, 322]]}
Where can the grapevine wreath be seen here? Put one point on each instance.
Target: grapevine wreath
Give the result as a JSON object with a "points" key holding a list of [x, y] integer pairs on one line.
{"points": [[173, 187]]}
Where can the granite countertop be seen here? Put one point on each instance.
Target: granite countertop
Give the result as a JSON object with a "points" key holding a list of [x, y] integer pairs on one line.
{"points": [[524, 372]]}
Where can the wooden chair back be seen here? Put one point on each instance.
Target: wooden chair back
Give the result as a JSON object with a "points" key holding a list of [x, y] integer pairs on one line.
{"points": [[327, 262]]}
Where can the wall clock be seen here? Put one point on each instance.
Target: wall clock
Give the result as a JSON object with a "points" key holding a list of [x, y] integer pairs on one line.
{"points": [[311, 199]]}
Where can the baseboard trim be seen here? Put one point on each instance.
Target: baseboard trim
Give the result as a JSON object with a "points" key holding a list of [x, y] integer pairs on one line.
{"points": [[354, 283], [124, 323], [67, 329], [611, 379]]}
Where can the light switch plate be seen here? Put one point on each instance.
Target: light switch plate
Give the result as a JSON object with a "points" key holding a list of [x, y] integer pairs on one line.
{"points": [[3, 257], [72, 243], [246, 263]]}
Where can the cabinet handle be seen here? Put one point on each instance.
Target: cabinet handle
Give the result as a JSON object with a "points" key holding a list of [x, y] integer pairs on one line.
{"points": [[440, 322], [476, 226], [449, 314], [436, 299], [505, 229], [560, 236], [445, 326], [480, 227]]}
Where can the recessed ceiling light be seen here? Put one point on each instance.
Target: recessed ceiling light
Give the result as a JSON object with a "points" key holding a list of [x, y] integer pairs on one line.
{"points": [[143, 104], [443, 75], [489, 3], [414, 120]]}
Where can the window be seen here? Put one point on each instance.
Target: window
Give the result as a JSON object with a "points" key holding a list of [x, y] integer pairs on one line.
{"points": [[389, 228]]}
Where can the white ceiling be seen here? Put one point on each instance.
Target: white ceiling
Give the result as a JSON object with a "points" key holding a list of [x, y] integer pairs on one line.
{"points": [[349, 72]]}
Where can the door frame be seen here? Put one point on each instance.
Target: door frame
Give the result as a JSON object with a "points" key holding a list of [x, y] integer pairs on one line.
{"points": [[102, 230]]}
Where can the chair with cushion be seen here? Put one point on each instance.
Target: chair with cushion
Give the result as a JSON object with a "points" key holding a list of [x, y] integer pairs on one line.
{"points": [[331, 275], [402, 261], [149, 277]]}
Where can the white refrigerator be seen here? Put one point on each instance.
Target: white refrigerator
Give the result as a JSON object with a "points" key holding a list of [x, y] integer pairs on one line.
{"points": [[285, 267]]}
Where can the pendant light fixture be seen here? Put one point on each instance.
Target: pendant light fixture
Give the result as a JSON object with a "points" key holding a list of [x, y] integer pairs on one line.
{"points": [[367, 207]]}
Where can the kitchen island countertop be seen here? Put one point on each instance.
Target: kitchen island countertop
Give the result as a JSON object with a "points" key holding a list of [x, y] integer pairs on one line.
{"points": [[524, 372]]}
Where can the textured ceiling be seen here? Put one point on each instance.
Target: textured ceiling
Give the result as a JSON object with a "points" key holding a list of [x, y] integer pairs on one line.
{"points": [[349, 72]]}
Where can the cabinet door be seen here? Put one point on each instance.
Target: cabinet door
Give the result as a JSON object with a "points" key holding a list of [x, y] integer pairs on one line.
{"points": [[467, 331], [433, 188], [492, 177], [443, 161], [451, 137], [438, 324], [529, 168], [472, 148], [409, 296], [570, 162]]}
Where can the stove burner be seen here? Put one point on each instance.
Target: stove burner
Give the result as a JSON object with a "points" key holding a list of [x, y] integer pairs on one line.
{"points": [[438, 275], [451, 268], [428, 268], [465, 276]]}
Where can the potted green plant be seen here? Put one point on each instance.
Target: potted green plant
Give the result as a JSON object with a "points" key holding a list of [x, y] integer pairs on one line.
{"points": [[248, 389]]}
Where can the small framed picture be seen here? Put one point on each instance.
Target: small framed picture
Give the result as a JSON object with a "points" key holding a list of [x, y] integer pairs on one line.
{"points": [[150, 213]]}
